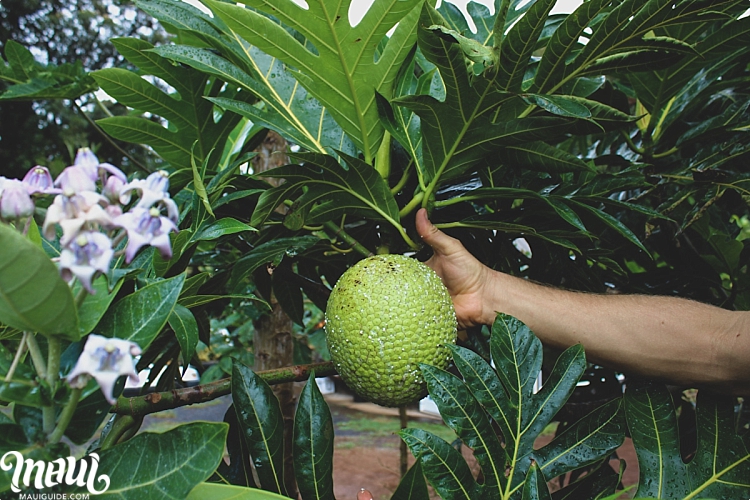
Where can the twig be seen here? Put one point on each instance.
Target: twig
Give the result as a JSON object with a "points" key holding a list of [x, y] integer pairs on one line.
{"points": [[17, 358], [110, 140], [36, 356]]}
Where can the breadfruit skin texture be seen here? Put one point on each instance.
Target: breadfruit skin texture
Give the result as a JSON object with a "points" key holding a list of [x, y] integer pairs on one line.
{"points": [[385, 316]]}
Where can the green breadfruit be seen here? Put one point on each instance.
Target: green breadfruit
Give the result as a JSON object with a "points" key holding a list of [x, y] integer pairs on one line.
{"points": [[385, 316]]}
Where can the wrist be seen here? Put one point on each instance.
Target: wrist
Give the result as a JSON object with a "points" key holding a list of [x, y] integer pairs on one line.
{"points": [[492, 296]]}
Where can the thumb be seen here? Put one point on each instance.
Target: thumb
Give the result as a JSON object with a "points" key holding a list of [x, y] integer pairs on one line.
{"points": [[364, 495], [440, 242]]}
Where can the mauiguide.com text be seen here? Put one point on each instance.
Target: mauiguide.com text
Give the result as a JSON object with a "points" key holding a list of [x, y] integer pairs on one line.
{"points": [[54, 496]]}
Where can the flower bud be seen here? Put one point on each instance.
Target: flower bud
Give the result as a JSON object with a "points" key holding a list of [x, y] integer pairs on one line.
{"points": [[39, 180], [15, 201]]}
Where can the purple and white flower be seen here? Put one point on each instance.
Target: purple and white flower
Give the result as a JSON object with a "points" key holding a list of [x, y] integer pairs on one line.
{"points": [[89, 253], [146, 227], [84, 211], [105, 360], [153, 192]]}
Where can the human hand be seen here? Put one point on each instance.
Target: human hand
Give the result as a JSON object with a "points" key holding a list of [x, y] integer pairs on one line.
{"points": [[467, 279]]}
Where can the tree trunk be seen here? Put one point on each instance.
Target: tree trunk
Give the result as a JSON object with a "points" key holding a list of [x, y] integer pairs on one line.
{"points": [[272, 342]]}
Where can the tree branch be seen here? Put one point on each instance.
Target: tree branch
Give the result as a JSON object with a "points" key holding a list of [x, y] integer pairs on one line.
{"points": [[139, 406]]}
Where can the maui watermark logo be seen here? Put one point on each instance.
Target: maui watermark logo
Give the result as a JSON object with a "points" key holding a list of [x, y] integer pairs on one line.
{"points": [[63, 471]]}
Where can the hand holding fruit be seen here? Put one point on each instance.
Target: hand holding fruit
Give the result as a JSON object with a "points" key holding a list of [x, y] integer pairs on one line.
{"points": [[466, 278]]}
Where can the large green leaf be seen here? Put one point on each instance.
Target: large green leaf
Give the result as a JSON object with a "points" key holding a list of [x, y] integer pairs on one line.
{"points": [[329, 190], [286, 108], [715, 53], [192, 129], [271, 252], [140, 316], [167, 465], [460, 131], [259, 416], [504, 393], [33, 296], [341, 71], [313, 444], [721, 465], [518, 45]]}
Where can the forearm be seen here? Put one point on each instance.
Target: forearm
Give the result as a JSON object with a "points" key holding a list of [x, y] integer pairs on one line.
{"points": [[675, 340]]}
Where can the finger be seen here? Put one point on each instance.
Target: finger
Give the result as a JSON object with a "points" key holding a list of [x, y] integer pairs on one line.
{"points": [[438, 240], [364, 495]]}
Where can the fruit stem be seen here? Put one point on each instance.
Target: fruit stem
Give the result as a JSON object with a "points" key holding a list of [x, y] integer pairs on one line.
{"points": [[403, 461], [347, 238]]}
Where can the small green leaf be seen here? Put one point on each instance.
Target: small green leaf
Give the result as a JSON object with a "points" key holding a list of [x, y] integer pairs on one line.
{"points": [[140, 316], [219, 228], [259, 415], [290, 299], [269, 252], [199, 300], [443, 466], [559, 105], [535, 486], [615, 224], [33, 296], [313, 444], [591, 439], [412, 485], [200, 188], [185, 329], [25, 392]]}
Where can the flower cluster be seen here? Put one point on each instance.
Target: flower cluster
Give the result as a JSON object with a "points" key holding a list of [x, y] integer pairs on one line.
{"points": [[89, 208]]}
